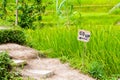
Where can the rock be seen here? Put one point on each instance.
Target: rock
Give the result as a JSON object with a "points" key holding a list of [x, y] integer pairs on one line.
{"points": [[19, 52], [12, 46], [20, 62], [23, 54], [38, 73]]}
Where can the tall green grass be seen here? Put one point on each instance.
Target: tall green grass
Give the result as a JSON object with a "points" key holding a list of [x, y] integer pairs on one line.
{"points": [[99, 19], [102, 50], [100, 2]]}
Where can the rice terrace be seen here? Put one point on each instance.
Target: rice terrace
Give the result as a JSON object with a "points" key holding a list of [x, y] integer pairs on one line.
{"points": [[60, 40]]}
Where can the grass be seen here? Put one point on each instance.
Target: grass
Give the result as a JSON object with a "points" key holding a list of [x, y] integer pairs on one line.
{"points": [[100, 2], [101, 59], [99, 19], [5, 23], [103, 47]]}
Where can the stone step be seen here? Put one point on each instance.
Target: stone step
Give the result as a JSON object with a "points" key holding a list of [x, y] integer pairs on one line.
{"points": [[16, 51], [37, 74], [20, 62], [23, 54]]}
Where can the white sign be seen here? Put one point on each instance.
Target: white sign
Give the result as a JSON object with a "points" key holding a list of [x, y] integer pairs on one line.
{"points": [[83, 35]]}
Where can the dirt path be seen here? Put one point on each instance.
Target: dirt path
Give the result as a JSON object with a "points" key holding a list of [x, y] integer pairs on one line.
{"points": [[60, 71]]}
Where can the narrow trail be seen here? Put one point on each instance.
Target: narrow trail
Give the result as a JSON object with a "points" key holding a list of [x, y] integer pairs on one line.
{"points": [[41, 68]]}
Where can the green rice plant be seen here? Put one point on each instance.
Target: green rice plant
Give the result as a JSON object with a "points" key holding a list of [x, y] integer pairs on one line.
{"points": [[100, 2], [64, 11], [99, 19], [58, 7], [96, 70], [62, 41], [116, 12], [114, 8]]}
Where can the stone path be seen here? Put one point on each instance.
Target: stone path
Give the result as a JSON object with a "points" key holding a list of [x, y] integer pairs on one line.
{"points": [[37, 68], [19, 52]]}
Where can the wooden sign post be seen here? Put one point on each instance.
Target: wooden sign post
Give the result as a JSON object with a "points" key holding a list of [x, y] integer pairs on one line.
{"points": [[83, 36]]}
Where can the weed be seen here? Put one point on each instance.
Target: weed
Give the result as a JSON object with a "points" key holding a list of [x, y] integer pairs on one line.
{"points": [[6, 68], [96, 70]]}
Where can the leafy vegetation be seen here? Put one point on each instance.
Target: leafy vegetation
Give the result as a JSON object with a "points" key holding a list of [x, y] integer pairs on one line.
{"points": [[115, 9], [62, 41], [3, 9], [58, 35], [12, 36], [6, 67], [30, 13]]}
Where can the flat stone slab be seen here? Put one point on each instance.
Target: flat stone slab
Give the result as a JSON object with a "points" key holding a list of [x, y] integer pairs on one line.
{"points": [[23, 54], [20, 62], [38, 73], [12, 46], [19, 52]]}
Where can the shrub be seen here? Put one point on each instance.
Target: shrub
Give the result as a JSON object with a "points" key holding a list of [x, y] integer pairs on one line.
{"points": [[12, 36], [7, 71], [96, 70], [3, 10], [5, 67], [30, 13]]}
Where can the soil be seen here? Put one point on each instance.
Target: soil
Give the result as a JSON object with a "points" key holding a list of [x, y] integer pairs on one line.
{"points": [[61, 71]]}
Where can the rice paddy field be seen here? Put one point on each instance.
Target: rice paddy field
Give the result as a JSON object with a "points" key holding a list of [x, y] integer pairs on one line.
{"points": [[58, 32]]}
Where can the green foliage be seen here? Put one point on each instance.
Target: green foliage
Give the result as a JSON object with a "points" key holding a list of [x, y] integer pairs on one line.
{"points": [[63, 59], [96, 70], [103, 47], [12, 36], [115, 9], [5, 67], [58, 8], [3, 9], [30, 13], [100, 2], [116, 12], [62, 41], [25, 18]]}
